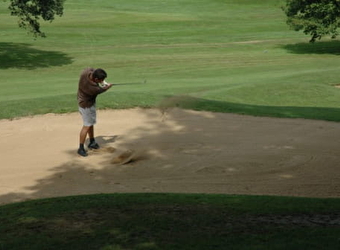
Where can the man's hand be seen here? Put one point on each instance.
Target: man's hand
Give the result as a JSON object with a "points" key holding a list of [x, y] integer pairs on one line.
{"points": [[107, 86]]}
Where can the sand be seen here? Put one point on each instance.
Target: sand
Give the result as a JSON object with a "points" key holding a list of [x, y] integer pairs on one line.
{"points": [[179, 151]]}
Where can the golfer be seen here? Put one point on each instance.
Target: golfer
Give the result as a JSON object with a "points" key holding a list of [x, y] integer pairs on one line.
{"points": [[88, 89]]}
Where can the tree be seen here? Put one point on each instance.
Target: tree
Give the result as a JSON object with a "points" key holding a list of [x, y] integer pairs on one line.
{"points": [[315, 17], [30, 12]]}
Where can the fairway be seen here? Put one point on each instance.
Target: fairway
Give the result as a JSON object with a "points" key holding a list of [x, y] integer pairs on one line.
{"points": [[229, 56]]}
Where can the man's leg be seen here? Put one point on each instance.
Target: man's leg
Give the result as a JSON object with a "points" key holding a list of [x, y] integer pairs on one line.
{"points": [[91, 132], [82, 137], [89, 119], [93, 144], [83, 133]]}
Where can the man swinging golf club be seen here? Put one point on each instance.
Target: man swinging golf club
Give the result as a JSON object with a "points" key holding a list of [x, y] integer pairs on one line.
{"points": [[90, 85]]}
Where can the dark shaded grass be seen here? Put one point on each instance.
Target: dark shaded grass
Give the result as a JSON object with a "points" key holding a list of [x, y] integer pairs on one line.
{"points": [[171, 221], [187, 102], [24, 56], [66, 104]]}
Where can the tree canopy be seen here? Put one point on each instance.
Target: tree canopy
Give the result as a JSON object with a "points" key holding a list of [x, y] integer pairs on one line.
{"points": [[315, 17], [31, 11]]}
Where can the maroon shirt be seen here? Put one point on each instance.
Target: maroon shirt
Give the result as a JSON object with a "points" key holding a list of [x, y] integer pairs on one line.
{"points": [[87, 89]]}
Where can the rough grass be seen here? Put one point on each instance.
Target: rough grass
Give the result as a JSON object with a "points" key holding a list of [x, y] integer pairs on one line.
{"points": [[171, 221]]}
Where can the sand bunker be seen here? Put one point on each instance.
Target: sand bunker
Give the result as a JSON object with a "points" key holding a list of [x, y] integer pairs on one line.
{"points": [[177, 151]]}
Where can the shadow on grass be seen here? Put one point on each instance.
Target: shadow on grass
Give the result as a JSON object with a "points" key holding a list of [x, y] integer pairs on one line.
{"points": [[325, 47], [165, 221], [12, 109], [23, 56], [316, 113]]}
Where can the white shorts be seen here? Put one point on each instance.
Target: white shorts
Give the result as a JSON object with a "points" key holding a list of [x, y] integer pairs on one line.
{"points": [[89, 115]]}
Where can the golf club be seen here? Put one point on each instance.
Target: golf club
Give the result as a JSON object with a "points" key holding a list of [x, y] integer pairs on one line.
{"points": [[130, 83]]}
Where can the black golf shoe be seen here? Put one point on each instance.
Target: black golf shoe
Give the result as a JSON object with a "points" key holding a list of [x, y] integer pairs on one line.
{"points": [[93, 145], [82, 152]]}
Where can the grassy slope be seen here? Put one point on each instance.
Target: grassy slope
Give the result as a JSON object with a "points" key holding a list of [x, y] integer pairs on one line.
{"points": [[171, 221], [233, 56]]}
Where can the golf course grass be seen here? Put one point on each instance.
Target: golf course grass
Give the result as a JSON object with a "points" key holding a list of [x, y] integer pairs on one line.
{"points": [[233, 56], [171, 221], [236, 56]]}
